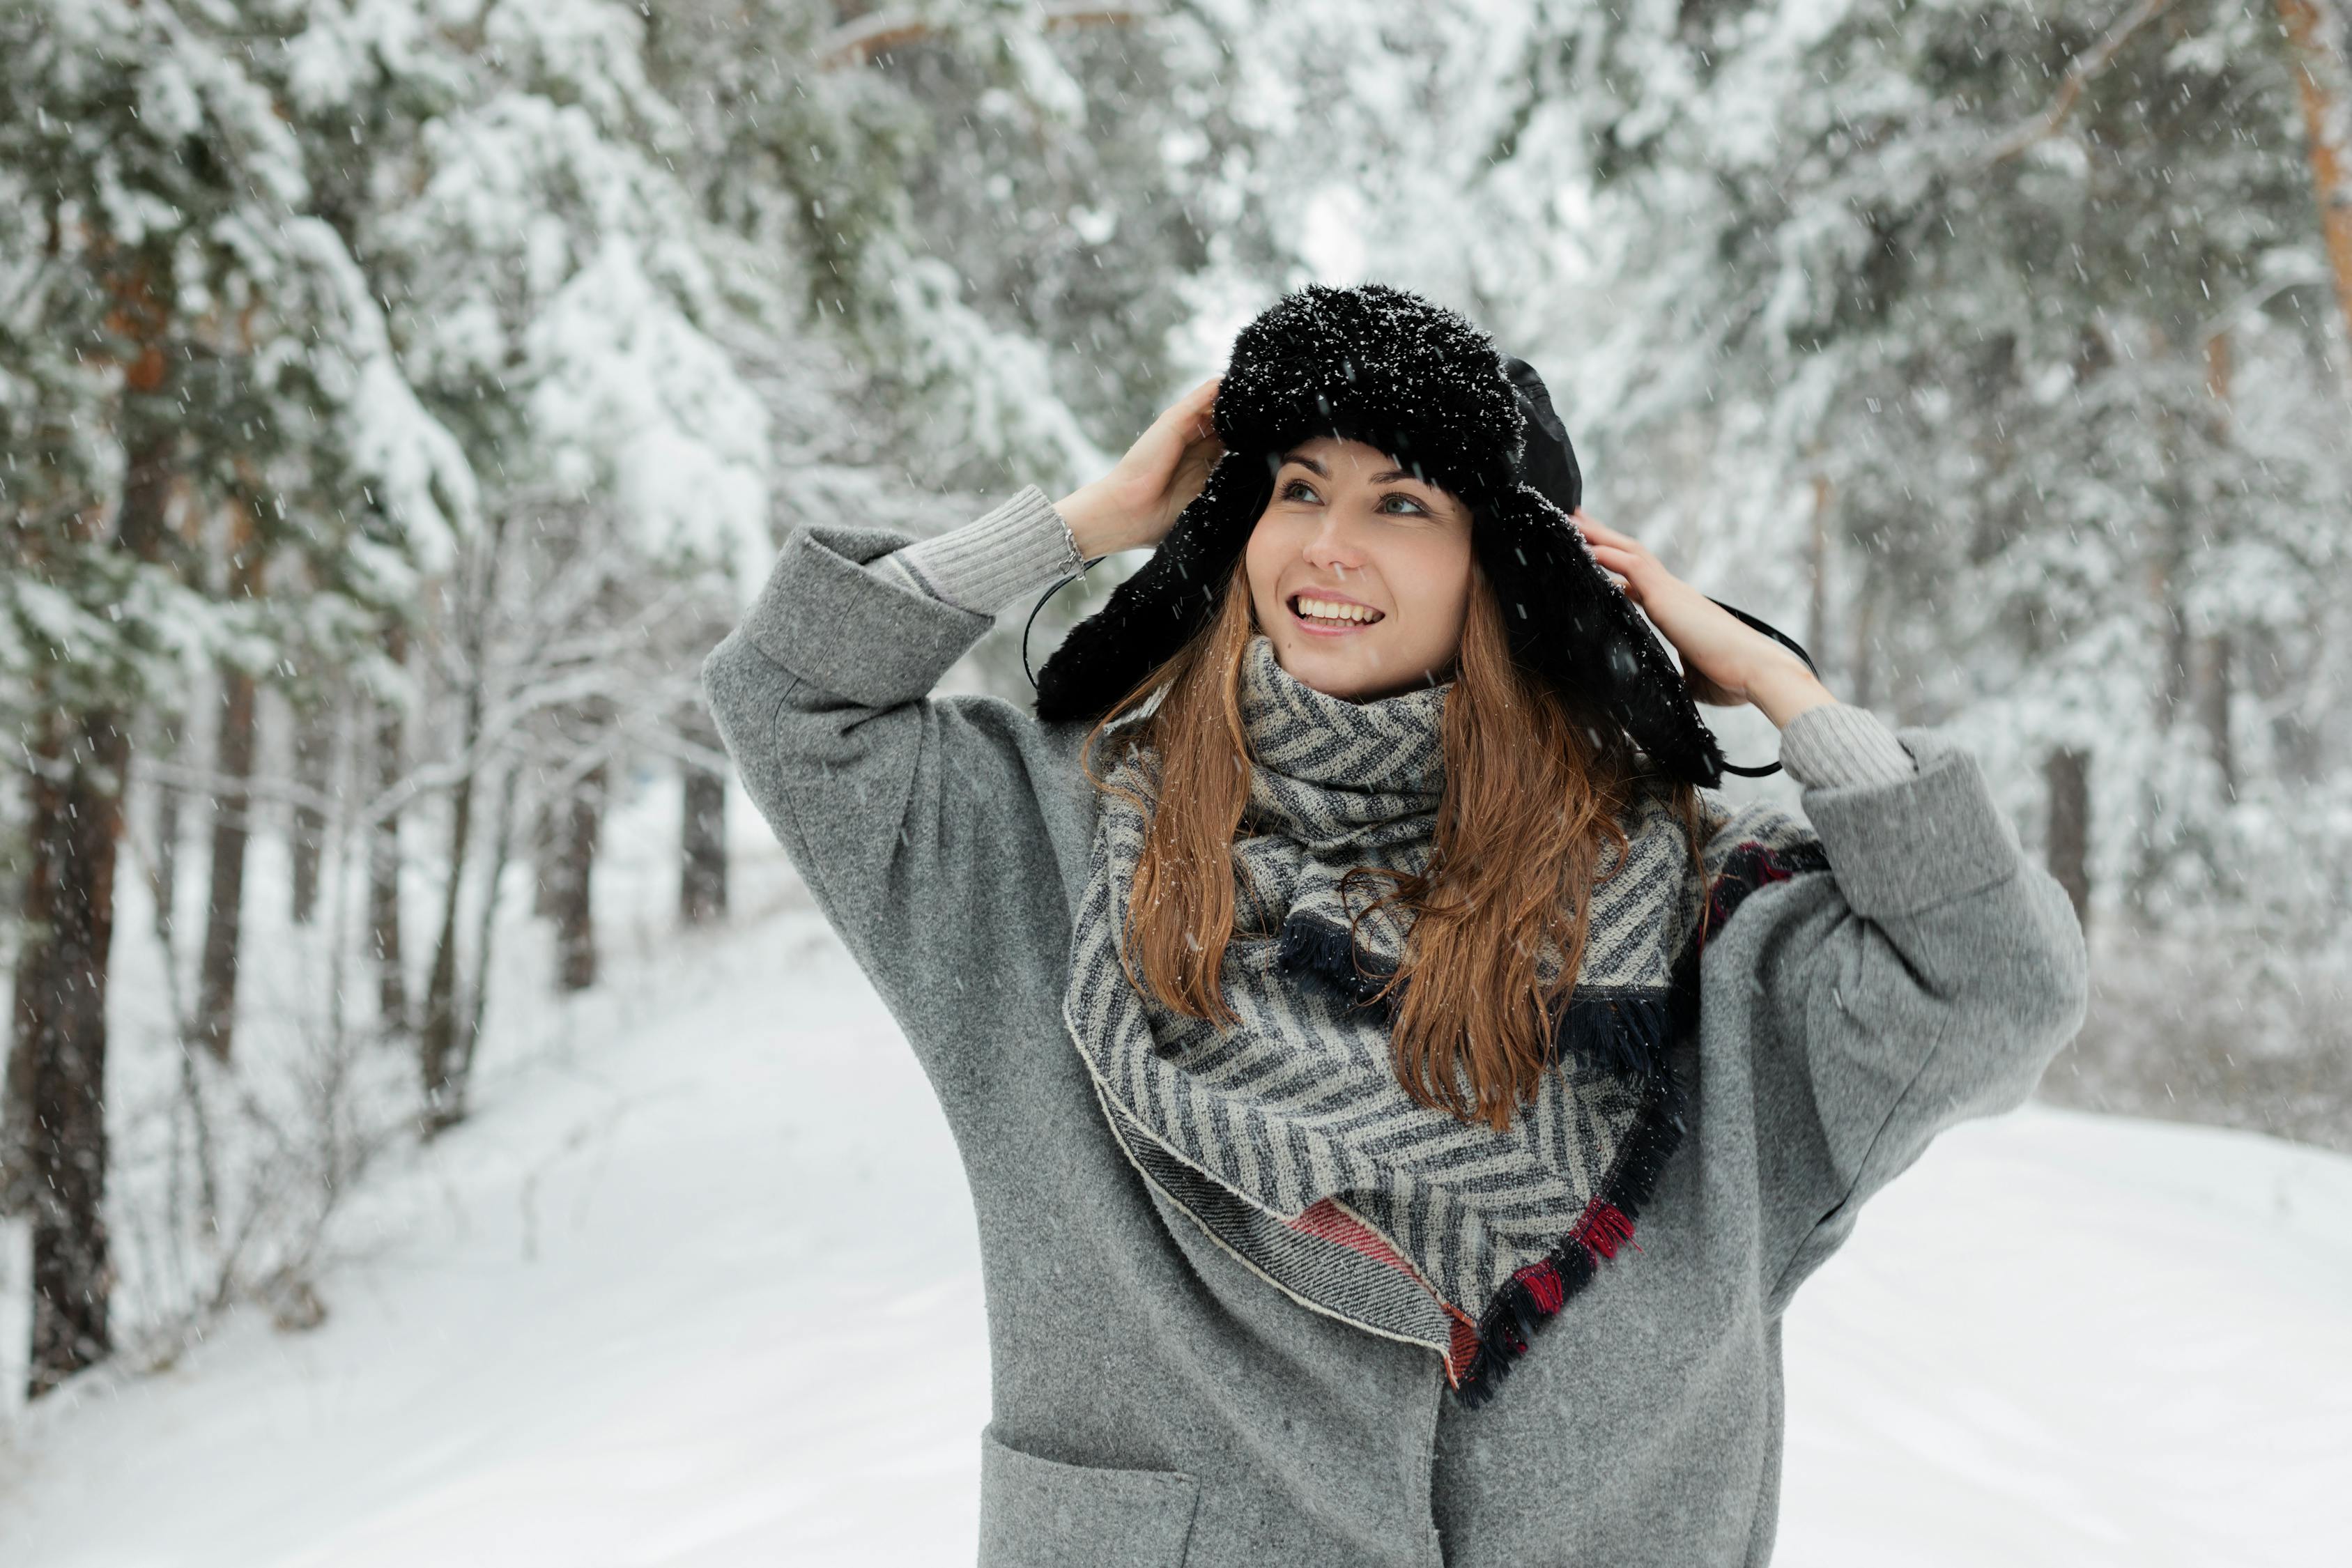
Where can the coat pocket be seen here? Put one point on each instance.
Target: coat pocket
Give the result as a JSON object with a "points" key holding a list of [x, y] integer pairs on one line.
{"points": [[1041, 1513]]}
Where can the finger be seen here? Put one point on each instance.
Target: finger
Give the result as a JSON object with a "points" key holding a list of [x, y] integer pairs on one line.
{"points": [[1202, 456], [1187, 410], [1624, 553], [1198, 409], [1612, 569]]}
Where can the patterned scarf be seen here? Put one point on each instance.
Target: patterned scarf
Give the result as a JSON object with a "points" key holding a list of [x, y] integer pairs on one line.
{"points": [[1288, 1138]]}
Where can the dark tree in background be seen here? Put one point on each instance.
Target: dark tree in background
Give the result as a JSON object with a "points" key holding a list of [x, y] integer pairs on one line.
{"points": [[60, 1037], [386, 724], [313, 764], [235, 733], [2068, 830], [703, 825], [578, 822]]}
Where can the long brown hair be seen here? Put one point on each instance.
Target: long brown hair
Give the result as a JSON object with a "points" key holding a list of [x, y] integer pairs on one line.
{"points": [[1533, 791]]}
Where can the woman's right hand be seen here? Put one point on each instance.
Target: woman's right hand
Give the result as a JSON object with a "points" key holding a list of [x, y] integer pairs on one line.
{"points": [[1135, 505]]}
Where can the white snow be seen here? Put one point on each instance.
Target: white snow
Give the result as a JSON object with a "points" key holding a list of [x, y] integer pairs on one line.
{"points": [[699, 1286]]}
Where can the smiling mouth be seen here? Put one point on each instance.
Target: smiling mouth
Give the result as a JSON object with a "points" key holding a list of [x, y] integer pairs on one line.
{"points": [[1332, 615]]}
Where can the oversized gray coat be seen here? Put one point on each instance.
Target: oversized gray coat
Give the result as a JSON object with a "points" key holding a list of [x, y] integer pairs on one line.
{"points": [[1157, 1406]]}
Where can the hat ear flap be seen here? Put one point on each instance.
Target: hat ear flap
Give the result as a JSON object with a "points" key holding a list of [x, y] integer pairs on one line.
{"points": [[1170, 597], [1569, 624], [1548, 461]]}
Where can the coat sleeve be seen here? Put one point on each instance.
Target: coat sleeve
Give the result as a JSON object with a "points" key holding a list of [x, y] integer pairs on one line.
{"points": [[1932, 982], [916, 822]]}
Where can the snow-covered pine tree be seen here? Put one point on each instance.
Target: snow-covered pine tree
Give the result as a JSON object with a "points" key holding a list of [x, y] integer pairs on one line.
{"points": [[556, 300], [997, 218], [106, 278], [165, 365], [1995, 345], [1931, 295]]}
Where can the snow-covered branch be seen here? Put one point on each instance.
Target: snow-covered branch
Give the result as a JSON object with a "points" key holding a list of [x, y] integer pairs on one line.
{"points": [[861, 41]]}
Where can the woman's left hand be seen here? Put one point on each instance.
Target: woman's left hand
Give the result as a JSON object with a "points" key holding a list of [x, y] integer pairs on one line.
{"points": [[1725, 660]]}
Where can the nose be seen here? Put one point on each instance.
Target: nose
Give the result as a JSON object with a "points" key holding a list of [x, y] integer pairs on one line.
{"points": [[1334, 545]]}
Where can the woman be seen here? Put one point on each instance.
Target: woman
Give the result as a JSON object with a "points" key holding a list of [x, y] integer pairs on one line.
{"points": [[1327, 980]]}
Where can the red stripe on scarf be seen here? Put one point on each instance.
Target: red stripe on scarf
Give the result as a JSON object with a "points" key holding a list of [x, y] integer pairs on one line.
{"points": [[1326, 1221], [1604, 1228], [1544, 1283]]}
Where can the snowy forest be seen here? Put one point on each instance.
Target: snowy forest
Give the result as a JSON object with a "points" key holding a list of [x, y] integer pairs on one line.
{"points": [[398, 398]]}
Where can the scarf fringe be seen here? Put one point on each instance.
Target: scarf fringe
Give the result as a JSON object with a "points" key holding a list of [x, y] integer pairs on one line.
{"points": [[1623, 1033], [1308, 946], [1537, 1291]]}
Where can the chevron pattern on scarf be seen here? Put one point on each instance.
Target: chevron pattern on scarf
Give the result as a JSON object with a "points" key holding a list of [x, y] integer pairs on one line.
{"points": [[1288, 1140]]}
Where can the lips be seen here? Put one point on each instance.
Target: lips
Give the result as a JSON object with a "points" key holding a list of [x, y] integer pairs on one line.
{"points": [[1330, 615]]}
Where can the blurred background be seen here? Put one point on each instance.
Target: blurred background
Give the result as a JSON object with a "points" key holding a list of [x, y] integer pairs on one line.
{"points": [[399, 397]]}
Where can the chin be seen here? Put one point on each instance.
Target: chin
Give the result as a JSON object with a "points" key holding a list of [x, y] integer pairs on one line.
{"points": [[1353, 675]]}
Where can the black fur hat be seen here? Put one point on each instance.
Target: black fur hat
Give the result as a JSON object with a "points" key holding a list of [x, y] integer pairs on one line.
{"points": [[1393, 370]]}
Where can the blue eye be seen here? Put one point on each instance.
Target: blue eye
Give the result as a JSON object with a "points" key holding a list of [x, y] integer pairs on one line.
{"points": [[1298, 485], [1397, 495]]}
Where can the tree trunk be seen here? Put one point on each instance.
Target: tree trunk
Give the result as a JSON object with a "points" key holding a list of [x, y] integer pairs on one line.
{"points": [[2168, 573], [2315, 48], [2068, 773], [486, 930], [224, 912], [702, 835], [575, 916], [1817, 566], [2211, 686], [1864, 680], [60, 1041], [2213, 689], [232, 820], [314, 753], [546, 861], [384, 857], [167, 834], [438, 1042]]}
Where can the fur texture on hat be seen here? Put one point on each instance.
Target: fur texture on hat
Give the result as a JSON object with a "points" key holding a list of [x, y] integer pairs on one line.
{"points": [[1387, 367]]}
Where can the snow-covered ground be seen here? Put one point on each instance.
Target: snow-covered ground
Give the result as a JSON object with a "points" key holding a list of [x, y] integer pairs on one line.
{"points": [[672, 1298]]}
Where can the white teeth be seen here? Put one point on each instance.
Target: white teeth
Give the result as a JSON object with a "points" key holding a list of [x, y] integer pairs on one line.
{"points": [[1332, 610]]}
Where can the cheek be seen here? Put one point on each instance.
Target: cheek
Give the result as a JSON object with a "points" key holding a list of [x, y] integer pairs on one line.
{"points": [[1434, 589], [1262, 560]]}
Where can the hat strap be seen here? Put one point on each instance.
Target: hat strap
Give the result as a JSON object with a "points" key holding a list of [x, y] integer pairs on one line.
{"points": [[1040, 604], [1777, 635]]}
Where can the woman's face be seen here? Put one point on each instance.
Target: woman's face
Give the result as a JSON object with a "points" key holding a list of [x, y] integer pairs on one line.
{"points": [[1359, 571]]}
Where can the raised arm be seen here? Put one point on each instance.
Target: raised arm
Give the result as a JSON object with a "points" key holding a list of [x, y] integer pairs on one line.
{"points": [[937, 834], [1929, 976], [918, 823], [1931, 980]]}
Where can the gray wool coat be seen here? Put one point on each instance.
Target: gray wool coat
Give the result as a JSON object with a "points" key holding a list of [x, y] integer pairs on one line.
{"points": [[1157, 1406]]}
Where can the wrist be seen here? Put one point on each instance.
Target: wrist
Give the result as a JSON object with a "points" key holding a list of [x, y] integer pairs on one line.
{"points": [[1786, 687], [1100, 523]]}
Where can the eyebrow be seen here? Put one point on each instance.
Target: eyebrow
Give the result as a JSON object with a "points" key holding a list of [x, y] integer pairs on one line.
{"points": [[1380, 479]]}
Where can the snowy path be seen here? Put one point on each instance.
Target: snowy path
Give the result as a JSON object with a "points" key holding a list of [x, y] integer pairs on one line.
{"points": [[671, 1300]]}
